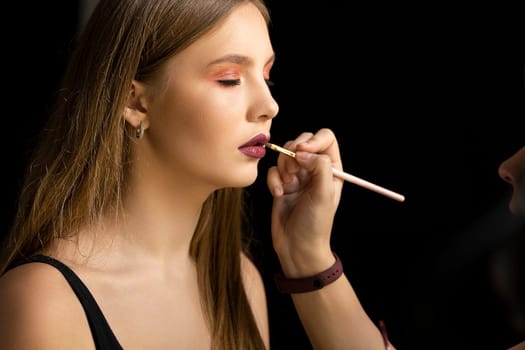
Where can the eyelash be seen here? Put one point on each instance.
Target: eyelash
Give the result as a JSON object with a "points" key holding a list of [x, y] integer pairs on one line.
{"points": [[235, 82], [230, 82]]}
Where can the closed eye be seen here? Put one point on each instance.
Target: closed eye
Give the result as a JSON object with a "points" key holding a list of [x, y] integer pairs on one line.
{"points": [[230, 82], [236, 82]]}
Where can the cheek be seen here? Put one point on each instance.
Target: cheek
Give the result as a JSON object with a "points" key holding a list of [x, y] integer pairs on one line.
{"points": [[200, 113], [180, 110], [195, 117], [208, 107]]}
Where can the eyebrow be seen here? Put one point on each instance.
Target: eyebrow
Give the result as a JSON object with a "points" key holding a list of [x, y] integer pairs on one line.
{"points": [[238, 59]]}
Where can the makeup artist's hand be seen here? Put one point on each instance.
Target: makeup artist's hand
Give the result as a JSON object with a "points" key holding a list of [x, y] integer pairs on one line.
{"points": [[306, 197]]}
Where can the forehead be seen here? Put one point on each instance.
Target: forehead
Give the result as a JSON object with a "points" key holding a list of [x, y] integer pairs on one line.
{"points": [[243, 32]]}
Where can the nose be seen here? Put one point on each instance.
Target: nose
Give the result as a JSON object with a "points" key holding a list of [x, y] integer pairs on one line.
{"points": [[505, 171], [512, 170], [264, 104]]}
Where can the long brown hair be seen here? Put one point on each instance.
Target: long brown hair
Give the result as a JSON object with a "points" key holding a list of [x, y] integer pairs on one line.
{"points": [[77, 173]]}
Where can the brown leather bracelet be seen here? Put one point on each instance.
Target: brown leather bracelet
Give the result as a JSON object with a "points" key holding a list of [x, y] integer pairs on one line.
{"points": [[311, 283]]}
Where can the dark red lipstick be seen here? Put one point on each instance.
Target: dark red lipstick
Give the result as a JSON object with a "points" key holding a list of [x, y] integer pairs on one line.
{"points": [[255, 147]]}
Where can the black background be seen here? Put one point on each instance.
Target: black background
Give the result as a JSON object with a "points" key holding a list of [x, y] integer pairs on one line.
{"points": [[426, 100]]}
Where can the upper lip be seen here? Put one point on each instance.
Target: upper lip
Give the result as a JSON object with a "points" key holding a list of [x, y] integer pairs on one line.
{"points": [[257, 140]]}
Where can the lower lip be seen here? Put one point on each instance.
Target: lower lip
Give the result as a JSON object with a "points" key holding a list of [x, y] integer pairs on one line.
{"points": [[253, 151]]}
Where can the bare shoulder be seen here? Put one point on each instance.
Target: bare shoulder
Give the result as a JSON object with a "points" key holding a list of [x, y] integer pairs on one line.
{"points": [[255, 291], [40, 310], [251, 275]]}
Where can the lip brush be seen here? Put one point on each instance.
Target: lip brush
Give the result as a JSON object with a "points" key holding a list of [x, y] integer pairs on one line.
{"points": [[346, 176]]}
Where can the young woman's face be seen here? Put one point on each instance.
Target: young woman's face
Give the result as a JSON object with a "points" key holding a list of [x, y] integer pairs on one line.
{"points": [[214, 113], [512, 170]]}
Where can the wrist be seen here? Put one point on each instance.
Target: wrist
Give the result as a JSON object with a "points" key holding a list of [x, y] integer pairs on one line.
{"points": [[312, 282], [305, 262]]}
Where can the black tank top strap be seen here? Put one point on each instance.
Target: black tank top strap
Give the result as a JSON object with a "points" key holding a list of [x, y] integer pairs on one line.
{"points": [[103, 336]]}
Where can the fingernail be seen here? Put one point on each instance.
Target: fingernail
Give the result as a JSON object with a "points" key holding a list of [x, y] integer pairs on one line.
{"points": [[303, 155]]}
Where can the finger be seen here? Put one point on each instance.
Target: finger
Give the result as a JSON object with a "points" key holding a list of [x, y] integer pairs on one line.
{"points": [[274, 182], [286, 162], [320, 167], [303, 137], [322, 142]]}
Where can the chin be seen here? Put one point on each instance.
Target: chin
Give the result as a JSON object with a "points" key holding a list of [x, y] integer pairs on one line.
{"points": [[246, 180], [247, 183]]}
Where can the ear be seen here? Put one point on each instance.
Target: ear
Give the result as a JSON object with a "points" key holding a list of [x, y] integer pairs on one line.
{"points": [[136, 109]]}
